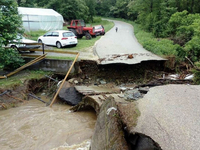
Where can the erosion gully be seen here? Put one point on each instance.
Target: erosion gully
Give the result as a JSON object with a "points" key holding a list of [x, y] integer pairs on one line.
{"points": [[33, 125]]}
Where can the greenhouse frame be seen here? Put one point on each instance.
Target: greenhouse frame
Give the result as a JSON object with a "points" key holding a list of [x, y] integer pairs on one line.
{"points": [[40, 19]]}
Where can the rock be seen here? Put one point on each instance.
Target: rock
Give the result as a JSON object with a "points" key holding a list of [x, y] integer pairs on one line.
{"points": [[140, 141], [70, 96], [144, 90], [102, 82], [132, 94], [43, 94], [71, 80], [130, 56], [123, 88], [76, 81]]}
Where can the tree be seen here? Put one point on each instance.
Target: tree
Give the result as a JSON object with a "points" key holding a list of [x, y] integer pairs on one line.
{"points": [[120, 9], [91, 5], [10, 26], [76, 9], [10, 21]]}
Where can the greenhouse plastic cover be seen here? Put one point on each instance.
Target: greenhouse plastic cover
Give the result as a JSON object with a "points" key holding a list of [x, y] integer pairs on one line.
{"points": [[40, 19]]}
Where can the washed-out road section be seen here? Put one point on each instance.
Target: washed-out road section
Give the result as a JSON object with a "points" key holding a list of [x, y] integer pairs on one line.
{"points": [[170, 115], [122, 47]]}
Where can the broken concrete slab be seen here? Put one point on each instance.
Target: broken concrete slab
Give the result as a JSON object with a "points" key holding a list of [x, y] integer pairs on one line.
{"points": [[170, 115], [108, 132], [92, 90], [132, 94]]}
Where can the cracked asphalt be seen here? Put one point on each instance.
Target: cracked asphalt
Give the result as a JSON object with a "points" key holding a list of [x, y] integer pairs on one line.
{"points": [[170, 115]]}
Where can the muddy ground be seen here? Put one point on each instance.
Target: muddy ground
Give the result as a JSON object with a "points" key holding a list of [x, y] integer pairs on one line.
{"points": [[144, 74]]}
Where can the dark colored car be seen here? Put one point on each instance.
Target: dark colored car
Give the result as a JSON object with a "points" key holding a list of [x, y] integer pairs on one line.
{"points": [[99, 30]]}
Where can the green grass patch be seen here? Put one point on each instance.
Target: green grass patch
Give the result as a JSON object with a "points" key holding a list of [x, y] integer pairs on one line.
{"points": [[33, 35], [61, 57], [19, 78], [162, 47]]}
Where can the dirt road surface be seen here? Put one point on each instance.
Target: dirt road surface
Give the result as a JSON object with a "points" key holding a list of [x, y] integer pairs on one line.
{"points": [[171, 116], [116, 47]]}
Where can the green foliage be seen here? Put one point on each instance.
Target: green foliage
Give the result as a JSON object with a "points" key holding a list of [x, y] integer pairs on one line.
{"points": [[10, 21], [181, 25], [192, 49], [120, 9], [162, 47], [19, 78], [197, 73], [91, 12], [97, 20], [10, 58], [10, 26]]}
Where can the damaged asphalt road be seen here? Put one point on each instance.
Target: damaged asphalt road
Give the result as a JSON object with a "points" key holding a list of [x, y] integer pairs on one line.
{"points": [[170, 116], [122, 47]]}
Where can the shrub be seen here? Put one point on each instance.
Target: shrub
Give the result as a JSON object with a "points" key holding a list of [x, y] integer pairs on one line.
{"points": [[192, 49], [162, 47], [197, 73], [10, 58], [97, 19]]}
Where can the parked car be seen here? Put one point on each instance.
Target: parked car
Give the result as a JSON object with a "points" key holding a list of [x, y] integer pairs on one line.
{"points": [[99, 30], [59, 38], [22, 44]]}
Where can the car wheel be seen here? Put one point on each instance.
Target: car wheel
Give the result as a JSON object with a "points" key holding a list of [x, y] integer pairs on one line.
{"points": [[79, 36], [32, 51], [88, 36], [39, 41], [58, 45], [74, 31], [14, 47]]}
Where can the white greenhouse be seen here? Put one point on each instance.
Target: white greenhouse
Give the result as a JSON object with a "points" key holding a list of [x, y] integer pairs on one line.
{"points": [[40, 19]]}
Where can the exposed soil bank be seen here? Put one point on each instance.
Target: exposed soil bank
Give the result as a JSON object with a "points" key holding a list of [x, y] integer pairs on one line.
{"points": [[19, 94], [121, 73], [115, 124]]}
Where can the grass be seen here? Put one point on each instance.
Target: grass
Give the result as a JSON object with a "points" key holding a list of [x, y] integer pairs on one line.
{"points": [[161, 47], [19, 78], [60, 57], [33, 35]]}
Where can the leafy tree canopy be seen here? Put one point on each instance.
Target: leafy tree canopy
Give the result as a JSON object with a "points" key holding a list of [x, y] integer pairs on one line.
{"points": [[10, 21], [10, 26]]}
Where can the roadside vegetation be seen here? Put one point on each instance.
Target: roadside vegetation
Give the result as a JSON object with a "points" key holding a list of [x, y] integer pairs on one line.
{"points": [[10, 26], [20, 78]]}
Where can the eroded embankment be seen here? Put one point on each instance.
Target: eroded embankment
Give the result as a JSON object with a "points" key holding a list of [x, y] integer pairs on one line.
{"points": [[116, 119]]}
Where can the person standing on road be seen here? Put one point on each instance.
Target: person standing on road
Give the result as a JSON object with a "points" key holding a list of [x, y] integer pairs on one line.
{"points": [[116, 29]]}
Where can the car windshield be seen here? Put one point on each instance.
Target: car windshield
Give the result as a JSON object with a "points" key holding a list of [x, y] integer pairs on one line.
{"points": [[68, 34], [98, 27]]}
